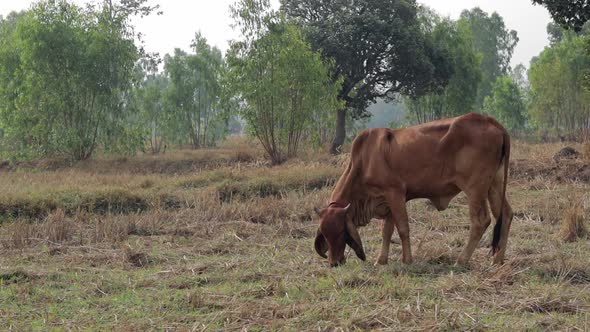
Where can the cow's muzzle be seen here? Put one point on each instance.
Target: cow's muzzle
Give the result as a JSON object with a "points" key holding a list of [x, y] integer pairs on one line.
{"points": [[339, 262]]}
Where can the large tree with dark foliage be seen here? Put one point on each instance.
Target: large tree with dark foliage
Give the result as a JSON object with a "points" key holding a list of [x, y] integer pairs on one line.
{"points": [[569, 13], [379, 48]]}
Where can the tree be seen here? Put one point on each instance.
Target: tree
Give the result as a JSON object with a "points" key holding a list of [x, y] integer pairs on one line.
{"points": [[10, 76], [148, 97], [570, 13], [65, 72], [519, 76], [506, 103], [282, 83], [209, 65], [459, 96], [494, 42], [559, 100], [558, 33], [378, 47], [194, 93]]}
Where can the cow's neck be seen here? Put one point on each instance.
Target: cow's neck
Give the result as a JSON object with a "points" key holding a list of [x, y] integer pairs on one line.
{"points": [[342, 193], [360, 210]]}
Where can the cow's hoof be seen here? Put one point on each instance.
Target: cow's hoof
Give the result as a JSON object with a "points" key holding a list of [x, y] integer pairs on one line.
{"points": [[407, 261], [462, 262], [381, 261], [498, 260]]}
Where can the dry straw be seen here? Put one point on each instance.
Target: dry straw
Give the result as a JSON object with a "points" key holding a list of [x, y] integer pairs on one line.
{"points": [[573, 224]]}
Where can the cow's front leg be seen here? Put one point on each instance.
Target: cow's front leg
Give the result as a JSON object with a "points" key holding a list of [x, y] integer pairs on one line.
{"points": [[397, 206], [387, 232]]}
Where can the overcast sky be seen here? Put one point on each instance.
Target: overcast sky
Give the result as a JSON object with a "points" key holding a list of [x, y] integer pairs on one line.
{"points": [[182, 18]]}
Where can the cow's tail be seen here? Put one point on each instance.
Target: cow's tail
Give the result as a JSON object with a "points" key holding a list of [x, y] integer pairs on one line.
{"points": [[505, 157]]}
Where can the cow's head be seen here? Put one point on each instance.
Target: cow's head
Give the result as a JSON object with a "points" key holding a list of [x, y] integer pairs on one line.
{"points": [[336, 230]]}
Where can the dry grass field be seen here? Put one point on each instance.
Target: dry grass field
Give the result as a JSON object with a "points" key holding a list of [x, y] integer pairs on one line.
{"points": [[219, 240]]}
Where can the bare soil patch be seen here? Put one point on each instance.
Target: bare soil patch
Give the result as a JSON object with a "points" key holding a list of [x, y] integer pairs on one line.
{"points": [[562, 171]]}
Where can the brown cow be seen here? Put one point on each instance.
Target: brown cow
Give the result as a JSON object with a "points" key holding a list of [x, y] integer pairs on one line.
{"points": [[435, 160]]}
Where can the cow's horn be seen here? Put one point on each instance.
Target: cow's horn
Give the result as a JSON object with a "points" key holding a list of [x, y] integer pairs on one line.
{"points": [[347, 207]]}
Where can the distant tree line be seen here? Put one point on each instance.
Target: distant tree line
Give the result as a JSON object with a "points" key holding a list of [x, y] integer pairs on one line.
{"points": [[76, 80]]}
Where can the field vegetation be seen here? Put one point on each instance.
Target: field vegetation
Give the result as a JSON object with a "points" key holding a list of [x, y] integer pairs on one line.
{"points": [[221, 240]]}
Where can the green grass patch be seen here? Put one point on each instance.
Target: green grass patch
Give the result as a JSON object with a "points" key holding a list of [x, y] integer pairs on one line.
{"points": [[35, 206], [276, 184], [13, 277]]}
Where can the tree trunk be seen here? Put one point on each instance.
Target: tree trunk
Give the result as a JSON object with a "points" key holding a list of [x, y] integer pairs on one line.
{"points": [[340, 132]]}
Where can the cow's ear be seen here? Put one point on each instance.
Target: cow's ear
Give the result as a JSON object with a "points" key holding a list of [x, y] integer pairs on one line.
{"points": [[321, 246], [353, 239]]}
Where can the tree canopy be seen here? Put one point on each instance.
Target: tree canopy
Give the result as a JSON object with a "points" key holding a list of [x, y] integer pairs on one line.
{"points": [[459, 96], [494, 42], [506, 103], [193, 97], [559, 100], [75, 80], [380, 49], [282, 83], [64, 71], [569, 13]]}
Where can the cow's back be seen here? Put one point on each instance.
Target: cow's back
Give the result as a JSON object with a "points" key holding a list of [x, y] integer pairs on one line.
{"points": [[426, 159]]}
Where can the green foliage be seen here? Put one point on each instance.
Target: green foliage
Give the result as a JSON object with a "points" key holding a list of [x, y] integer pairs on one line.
{"points": [[494, 43], [572, 14], [378, 47], [459, 96], [374, 43], [193, 97], [184, 103], [506, 104], [559, 100], [284, 88], [519, 76], [149, 99], [65, 71], [558, 33]]}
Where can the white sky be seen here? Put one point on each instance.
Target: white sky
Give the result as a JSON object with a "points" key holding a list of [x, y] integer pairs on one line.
{"points": [[182, 18]]}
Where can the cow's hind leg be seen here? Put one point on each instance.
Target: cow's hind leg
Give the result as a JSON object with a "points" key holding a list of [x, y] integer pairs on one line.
{"points": [[495, 199], [480, 220], [387, 232]]}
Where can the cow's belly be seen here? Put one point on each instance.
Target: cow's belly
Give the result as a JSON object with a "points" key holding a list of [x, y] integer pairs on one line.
{"points": [[440, 197], [431, 190]]}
